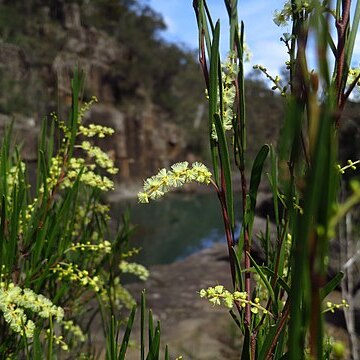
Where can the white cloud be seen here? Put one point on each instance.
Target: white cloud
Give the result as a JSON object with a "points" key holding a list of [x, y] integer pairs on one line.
{"points": [[270, 54], [171, 25]]}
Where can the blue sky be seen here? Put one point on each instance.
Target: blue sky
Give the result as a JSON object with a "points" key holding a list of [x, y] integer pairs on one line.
{"points": [[262, 35]]}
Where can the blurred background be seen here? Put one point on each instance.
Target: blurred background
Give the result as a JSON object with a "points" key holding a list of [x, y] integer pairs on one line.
{"points": [[148, 83], [141, 62], [142, 66]]}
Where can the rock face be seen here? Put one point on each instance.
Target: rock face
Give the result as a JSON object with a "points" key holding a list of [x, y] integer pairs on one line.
{"points": [[15, 65], [91, 50], [13, 60], [144, 140]]}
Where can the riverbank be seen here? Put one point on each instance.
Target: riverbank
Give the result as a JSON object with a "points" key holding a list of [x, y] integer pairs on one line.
{"points": [[191, 326]]}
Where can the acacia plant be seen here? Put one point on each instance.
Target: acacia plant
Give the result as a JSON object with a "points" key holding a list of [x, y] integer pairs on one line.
{"points": [[60, 265], [279, 303]]}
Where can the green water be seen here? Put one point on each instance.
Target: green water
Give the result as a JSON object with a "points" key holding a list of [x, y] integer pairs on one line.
{"points": [[175, 227]]}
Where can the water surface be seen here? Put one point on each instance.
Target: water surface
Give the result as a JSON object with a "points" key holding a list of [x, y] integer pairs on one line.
{"points": [[175, 226]]}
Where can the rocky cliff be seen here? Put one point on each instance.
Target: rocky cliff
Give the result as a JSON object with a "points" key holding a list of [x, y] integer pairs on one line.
{"points": [[39, 82], [149, 91]]}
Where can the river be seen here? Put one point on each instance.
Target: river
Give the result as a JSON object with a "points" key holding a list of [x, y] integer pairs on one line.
{"points": [[174, 227]]}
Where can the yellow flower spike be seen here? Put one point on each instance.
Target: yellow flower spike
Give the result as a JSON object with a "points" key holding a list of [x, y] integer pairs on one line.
{"points": [[332, 307], [179, 174], [13, 301], [219, 295]]}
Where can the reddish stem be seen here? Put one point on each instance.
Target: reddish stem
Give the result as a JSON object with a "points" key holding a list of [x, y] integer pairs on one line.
{"points": [[341, 26], [282, 323]]}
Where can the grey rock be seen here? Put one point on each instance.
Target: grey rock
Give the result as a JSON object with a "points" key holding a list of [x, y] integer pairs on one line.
{"points": [[13, 60]]}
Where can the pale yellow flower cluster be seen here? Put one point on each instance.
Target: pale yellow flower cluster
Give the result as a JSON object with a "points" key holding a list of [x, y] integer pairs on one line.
{"points": [[350, 165], [59, 340], [281, 17], [120, 297], [13, 301], [180, 174], [74, 329], [218, 295], [354, 74], [135, 269], [95, 130], [86, 107], [64, 172], [101, 158], [72, 272], [104, 246], [229, 73], [74, 167], [332, 307]]}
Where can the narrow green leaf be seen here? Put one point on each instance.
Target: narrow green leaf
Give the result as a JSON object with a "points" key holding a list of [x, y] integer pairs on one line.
{"points": [[42, 143], [167, 355], [43, 173], [50, 144], [236, 319], [231, 7], [269, 339], [155, 346], [37, 350], [280, 346], [274, 187], [111, 345], [2, 230], [125, 341], [352, 36], [240, 126], [331, 285], [204, 29], [246, 354], [256, 173], [226, 169], [239, 278], [77, 84], [151, 328], [280, 279], [263, 278], [142, 325], [213, 96], [267, 241]]}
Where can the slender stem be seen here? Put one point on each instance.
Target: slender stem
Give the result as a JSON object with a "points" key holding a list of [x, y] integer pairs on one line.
{"points": [[228, 231], [50, 339], [27, 353], [246, 250], [342, 25], [202, 60], [349, 90], [282, 323], [276, 270]]}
